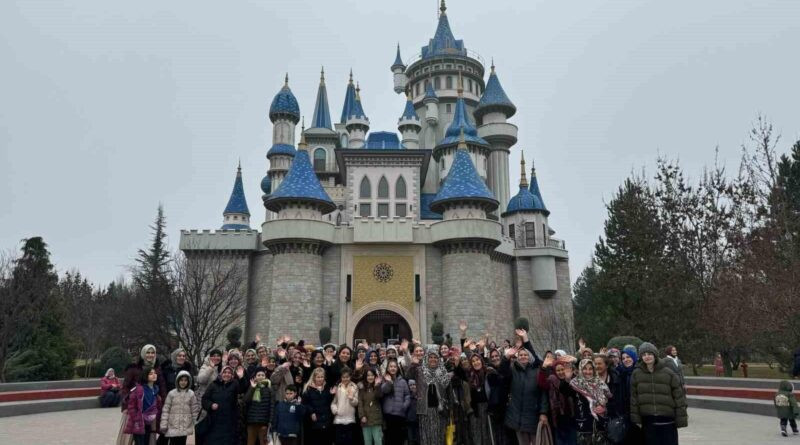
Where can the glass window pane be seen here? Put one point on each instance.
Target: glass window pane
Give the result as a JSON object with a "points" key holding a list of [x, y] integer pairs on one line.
{"points": [[449, 82], [365, 210], [400, 209], [400, 188], [383, 188], [383, 209], [437, 83], [320, 158], [365, 189], [530, 234]]}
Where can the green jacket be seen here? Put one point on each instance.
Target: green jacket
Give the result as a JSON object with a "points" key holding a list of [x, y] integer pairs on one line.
{"points": [[369, 406], [785, 402], [657, 393]]}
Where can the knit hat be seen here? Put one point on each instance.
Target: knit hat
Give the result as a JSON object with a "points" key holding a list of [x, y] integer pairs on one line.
{"points": [[144, 350], [632, 353], [329, 346], [412, 382], [648, 347]]}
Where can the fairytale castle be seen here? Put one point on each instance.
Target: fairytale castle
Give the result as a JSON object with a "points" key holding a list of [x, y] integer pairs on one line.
{"points": [[377, 234]]}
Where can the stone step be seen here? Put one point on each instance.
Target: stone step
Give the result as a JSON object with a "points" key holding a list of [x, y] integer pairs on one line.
{"points": [[48, 394], [734, 382], [55, 384], [9, 409], [744, 406], [738, 393]]}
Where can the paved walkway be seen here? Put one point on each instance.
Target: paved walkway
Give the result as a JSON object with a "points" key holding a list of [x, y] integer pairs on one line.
{"points": [[100, 426]]}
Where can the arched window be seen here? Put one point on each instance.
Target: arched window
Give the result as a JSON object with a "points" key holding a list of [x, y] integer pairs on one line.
{"points": [[365, 191], [383, 188], [400, 188], [320, 159]]}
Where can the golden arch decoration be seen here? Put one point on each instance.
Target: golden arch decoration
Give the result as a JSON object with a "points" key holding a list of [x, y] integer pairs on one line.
{"points": [[363, 311]]}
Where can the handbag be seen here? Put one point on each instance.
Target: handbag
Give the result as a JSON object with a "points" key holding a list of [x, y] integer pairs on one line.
{"points": [[543, 434], [617, 429], [201, 428]]}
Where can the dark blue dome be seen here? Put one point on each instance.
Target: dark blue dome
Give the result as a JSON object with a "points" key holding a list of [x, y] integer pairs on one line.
{"points": [[525, 201], [281, 149], [284, 103]]}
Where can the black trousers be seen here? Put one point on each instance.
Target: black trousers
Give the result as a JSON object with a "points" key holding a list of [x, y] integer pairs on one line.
{"points": [[791, 422], [395, 429], [659, 430]]}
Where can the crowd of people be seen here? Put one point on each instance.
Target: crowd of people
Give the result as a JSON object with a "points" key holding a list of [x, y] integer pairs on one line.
{"points": [[474, 393]]}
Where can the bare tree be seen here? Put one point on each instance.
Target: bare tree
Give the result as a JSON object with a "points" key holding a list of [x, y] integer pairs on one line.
{"points": [[209, 297], [554, 329]]}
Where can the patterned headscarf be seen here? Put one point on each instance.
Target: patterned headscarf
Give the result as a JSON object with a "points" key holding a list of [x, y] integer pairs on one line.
{"points": [[593, 389]]}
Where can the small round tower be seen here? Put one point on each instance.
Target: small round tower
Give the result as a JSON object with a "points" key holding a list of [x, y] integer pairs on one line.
{"points": [[357, 123], [399, 70], [236, 215], [409, 125]]}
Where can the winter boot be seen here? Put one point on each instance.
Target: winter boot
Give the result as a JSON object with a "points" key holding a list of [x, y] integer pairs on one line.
{"points": [[783, 431]]}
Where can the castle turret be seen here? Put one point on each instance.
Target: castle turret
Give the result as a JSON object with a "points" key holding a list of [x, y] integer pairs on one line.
{"points": [[526, 221], [236, 215], [467, 240], [357, 124], [399, 68], [492, 113], [445, 150], [284, 112], [431, 102], [297, 239], [409, 125]]}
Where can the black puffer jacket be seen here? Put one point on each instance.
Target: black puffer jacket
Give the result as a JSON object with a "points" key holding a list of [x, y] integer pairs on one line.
{"points": [[657, 393], [319, 403], [259, 412], [223, 421], [528, 401]]}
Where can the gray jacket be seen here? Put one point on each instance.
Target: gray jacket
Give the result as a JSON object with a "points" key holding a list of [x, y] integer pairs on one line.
{"points": [[396, 397]]}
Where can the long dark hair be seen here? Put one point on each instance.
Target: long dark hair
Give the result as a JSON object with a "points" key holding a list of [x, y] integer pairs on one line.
{"points": [[143, 375]]}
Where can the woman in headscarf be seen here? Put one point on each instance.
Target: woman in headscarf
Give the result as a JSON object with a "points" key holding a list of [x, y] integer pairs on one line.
{"points": [[109, 387], [562, 401], [592, 398], [627, 365], [432, 380], [212, 365], [221, 402], [460, 399], [178, 361], [498, 399], [477, 380]]}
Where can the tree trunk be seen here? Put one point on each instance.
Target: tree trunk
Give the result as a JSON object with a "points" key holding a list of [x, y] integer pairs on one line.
{"points": [[726, 362]]}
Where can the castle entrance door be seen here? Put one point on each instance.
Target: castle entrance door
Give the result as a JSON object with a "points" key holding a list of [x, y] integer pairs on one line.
{"points": [[381, 326]]}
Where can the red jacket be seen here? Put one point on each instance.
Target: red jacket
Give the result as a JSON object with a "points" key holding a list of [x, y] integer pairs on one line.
{"points": [[107, 383]]}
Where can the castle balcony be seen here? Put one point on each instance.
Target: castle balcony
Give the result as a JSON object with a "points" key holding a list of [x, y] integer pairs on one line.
{"points": [[382, 230], [452, 229], [502, 133], [276, 230]]}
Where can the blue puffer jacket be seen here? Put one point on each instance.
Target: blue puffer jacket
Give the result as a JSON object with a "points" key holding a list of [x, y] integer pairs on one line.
{"points": [[288, 418], [396, 397]]}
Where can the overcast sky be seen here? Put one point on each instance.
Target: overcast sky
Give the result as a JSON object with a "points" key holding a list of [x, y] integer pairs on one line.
{"points": [[108, 108]]}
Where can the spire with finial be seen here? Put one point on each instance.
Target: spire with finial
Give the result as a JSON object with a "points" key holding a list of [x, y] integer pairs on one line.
{"points": [[322, 115], [443, 8], [236, 215], [523, 180], [349, 99], [462, 143], [492, 65], [351, 75], [494, 98], [286, 80]]}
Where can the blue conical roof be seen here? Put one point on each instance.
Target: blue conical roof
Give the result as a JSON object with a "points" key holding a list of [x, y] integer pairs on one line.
{"points": [[237, 203], [284, 103], [430, 93], [349, 100], [358, 109], [534, 190], [461, 123], [322, 114], [524, 201], [463, 184], [398, 61], [409, 112], [443, 42], [494, 98], [300, 184]]}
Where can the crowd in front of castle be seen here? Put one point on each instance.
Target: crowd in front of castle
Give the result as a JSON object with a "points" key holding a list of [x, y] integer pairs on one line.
{"points": [[475, 393]]}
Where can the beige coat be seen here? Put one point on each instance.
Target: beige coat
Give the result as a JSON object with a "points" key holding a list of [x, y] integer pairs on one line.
{"points": [[181, 409], [344, 407]]}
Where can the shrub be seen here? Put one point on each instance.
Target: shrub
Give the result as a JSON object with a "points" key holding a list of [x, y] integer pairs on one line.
{"points": [[324, 335], [437, 332], [621, 341], [234, 336], [114, 357], [522, 323]]}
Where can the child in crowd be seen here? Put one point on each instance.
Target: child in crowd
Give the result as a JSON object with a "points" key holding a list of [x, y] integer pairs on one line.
{"points": [[288, 417], [258, 407], [787, 407], [412, 423], [181, 408], [144, 404], [369, 409], [343, 408]]}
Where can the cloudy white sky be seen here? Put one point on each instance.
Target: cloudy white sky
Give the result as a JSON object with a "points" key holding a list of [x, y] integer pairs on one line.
{"points": [[108, 108]]}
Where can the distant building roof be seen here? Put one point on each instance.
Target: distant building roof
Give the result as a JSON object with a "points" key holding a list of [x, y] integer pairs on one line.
{"points": [[387, 140]]}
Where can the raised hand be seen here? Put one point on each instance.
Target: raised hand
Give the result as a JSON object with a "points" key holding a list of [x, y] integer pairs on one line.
{"points": [[359, 364], [333, 391], [286, 365], [581, 343], [568, 372], [404, 345], [462, 326], [522, 333], [281, 353], [387, 377], [510, 352], [258, 338], [253, 382], [240, 371], [306, 363], [548, 362], [414, 359]]}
